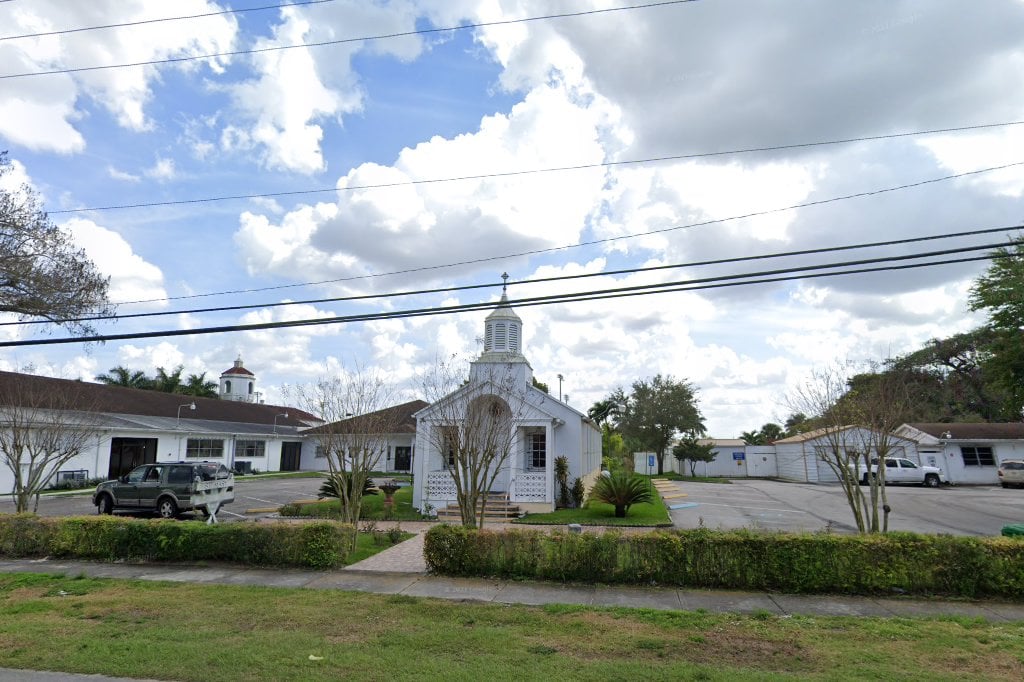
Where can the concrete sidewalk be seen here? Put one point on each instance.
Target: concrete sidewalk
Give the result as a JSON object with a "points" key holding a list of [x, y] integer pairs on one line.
{"points": [[533, 593]]}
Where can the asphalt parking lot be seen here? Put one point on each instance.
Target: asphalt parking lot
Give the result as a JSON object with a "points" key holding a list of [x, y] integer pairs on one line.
{"points": [[256, 493], [774, 505]]}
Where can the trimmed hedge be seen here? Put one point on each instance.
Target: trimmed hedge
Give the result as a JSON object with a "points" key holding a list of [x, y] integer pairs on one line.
{"points": [[786, 562], [113, 538]]}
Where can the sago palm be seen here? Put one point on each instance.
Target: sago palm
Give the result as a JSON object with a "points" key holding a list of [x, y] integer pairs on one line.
{"points": [[622, 490]]}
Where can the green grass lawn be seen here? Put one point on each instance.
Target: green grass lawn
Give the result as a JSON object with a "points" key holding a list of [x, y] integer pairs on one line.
{"points": [[596, 513], [368, 544], [190, 632], [372, 509]]}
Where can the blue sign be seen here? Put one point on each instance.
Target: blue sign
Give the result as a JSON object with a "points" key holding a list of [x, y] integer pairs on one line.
{"points": [[739, 456], [650, 461]]}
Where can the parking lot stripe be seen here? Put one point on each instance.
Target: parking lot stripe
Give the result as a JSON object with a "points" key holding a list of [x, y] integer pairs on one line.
{"points": [[740, 506]]}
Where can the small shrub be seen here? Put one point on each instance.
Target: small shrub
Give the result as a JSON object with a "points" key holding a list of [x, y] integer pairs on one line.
{"points": [[562, 477], [395, 535], [578, 492], [622, 489]]}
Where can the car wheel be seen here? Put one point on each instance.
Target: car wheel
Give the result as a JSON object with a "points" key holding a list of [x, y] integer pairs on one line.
{"points": [[866, 480], [931, 481], [166, 508], [105, 505], [1005, 485]]}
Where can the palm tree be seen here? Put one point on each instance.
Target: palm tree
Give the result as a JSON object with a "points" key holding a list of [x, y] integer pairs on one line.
{"points": [[122, 376], [622, 489], [752, 437], [603, 411], [168, 383], [199, 386]]}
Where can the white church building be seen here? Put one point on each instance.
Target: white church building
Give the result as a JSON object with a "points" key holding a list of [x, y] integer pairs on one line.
{"points": [[541, 427]]}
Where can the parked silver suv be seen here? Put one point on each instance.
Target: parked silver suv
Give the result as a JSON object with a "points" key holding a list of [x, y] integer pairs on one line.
{"points": [[165, 488]]}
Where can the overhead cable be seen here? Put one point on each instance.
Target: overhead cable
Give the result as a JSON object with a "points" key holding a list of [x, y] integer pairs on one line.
{"points": [[592, 242], [342, 41], [530, 171], [537, 280], [298, 3], [782, 274]]}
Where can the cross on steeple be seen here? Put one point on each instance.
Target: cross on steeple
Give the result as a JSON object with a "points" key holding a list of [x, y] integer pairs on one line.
{"points": [[504, 283]]}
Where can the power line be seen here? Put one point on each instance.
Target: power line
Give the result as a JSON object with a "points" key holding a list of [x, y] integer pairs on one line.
{"points": [[544, 280], [342, 41], [531, 171], [778, 275], [592, 242], [156, 21]]}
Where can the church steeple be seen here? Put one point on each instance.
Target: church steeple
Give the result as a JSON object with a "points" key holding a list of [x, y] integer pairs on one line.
{"points": [[503, 336], [503, 329]]}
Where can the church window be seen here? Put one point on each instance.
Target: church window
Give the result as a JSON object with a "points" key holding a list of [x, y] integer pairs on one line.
{"points": [[513, 338], [227, 386], [500, 341]]}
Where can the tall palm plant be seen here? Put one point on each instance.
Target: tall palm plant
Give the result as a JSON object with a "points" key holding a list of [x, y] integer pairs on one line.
{"points": [[198, 385], [168, 383], [122, 376]]}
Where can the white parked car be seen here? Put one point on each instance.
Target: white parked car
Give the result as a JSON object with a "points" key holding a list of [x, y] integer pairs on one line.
{"points": [[1011, 473], [901, 470]]}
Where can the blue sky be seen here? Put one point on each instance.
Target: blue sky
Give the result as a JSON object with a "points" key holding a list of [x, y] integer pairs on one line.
{"points": [[605, 87]]}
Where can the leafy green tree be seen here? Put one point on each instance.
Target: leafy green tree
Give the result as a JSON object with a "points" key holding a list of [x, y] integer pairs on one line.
{"points": [[622, 489], [1000, 293], [122, 376], [42, 274], [690, 450], [198, 385], [949, 379], [655, 410]]}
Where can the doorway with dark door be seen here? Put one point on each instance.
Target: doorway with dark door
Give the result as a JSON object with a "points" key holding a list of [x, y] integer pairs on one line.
{"points": [[291, 456], [403, 458], [128, 453]]}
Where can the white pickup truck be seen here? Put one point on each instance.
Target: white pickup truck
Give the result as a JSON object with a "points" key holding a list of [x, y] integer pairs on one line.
{"points": [[901, 470]]}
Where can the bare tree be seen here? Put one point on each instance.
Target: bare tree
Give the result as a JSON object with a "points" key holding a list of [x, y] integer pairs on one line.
{"points": [[857, 424], [41, 431], [473, 425], [359, 419]]}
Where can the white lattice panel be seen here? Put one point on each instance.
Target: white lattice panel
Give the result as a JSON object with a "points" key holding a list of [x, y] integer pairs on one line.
{"points": [[531, 487], [440, 486]]}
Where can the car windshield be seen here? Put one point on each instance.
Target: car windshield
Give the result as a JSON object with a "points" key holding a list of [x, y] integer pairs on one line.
{"points": [[1013, 465]]}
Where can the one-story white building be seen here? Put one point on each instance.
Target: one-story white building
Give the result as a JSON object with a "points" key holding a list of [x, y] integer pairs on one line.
{"points": [[127, 427]]}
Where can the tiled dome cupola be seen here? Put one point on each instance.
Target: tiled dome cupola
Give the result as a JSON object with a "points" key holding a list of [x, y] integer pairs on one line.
{"points": [[238, 383]]}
